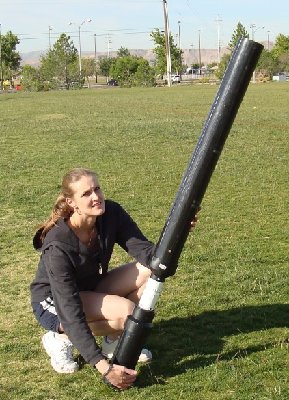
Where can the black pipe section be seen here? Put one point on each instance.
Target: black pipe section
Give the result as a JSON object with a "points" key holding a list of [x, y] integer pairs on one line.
{"points": [[190, 194], [205, 156], [137, 328]]}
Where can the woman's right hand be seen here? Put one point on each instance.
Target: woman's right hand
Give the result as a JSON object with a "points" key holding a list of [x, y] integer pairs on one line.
{"points": [[117, 375], [121, 377]]}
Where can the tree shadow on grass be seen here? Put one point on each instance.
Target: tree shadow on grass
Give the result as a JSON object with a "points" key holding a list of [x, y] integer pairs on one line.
{"points": [[194, 342]]}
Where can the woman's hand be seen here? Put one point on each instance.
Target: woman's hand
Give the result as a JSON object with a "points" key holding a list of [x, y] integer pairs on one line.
{"points": [[121, 377], [117, 376]]}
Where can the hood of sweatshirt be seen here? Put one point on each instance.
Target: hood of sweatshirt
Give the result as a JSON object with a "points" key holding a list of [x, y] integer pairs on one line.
{"points": [[60, 233]]}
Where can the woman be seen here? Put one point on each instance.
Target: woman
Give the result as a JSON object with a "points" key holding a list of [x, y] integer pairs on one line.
{"points": [[73, 295]]}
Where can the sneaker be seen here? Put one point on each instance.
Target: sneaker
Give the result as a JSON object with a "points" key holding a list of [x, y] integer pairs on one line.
{"points": [[59, 349], [108, 347]]}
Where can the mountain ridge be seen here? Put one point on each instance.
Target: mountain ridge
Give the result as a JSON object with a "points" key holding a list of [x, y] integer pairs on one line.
{"points": [[190, 56]]}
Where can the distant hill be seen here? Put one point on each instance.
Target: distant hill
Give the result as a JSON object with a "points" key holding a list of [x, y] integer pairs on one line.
{"points": [[190, 56]]}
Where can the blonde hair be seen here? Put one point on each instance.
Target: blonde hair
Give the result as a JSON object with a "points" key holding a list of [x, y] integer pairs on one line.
{"points": [[61, 209]]}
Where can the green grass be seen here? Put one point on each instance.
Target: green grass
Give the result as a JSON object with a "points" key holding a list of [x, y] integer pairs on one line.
{"points": [[221, 325]]}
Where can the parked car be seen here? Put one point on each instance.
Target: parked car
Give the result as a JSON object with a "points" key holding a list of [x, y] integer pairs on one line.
{"points": [[176, 78], [112, 82]]}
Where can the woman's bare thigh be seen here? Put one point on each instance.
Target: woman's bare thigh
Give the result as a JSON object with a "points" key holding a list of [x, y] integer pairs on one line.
{"points": [[123, 280], [102, 306]]}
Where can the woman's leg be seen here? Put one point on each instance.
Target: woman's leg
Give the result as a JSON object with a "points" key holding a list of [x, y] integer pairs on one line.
{"points": [[114, 298], [106, 313], [127, 281]]}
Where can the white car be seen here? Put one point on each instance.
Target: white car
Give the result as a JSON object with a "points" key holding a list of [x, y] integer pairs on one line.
{"points": [[176, 78]]}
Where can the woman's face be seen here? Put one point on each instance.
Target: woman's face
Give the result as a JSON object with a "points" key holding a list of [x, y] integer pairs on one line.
{"points": [[88, 198]]}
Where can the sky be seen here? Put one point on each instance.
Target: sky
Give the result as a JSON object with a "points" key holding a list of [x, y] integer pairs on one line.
{"points": [[128, 23]]}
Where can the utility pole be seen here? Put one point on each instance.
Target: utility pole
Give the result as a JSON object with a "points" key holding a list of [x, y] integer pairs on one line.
{"points": [[49, 35], [268, 41], [95, 60], [179, 23], [219, 20], [108, 46], [200, 61], [167, 42]]}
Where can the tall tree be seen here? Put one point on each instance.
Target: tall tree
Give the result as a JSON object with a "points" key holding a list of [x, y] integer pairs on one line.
{"points": [[123, 52], [239, 32], [60, 65], [10, 58], [281, 46], [160, 52], [104, 65]]}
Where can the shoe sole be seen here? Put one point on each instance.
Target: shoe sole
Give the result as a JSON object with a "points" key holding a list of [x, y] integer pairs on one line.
{"points": [[60, 370]]}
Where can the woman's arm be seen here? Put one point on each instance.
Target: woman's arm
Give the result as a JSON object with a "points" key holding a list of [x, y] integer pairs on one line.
{"points": [[131, 239], [68, 303]]}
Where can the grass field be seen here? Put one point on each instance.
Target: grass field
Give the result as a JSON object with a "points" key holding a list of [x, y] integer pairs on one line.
{"points": [[221, 326]]}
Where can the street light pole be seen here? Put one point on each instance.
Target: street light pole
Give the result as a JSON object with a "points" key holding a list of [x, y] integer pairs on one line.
{"points": [[79, 43], [268, 41], [253, 30], [180, 55], [200, 61]]}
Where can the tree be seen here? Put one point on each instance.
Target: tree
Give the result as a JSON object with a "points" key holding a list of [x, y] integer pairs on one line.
{"points": [[104, 65], [60, 65], [31, 79], [283, 63], [123, 52], [132, 71], [144, 75], [281, 46], [280, 53], [222, 65], [10, 58], [267, 65], [160, 52], [88, 68], [239, 32]]}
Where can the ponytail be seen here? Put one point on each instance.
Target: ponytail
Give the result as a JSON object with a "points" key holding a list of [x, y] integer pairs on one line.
{"points": [[60, 210]]}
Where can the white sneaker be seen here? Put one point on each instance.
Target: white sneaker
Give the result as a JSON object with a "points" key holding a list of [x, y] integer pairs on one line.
{"points": [[107, 349], [59, 349]]}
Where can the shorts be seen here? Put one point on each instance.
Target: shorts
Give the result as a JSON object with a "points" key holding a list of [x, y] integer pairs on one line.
{"points": [[46, 315]]}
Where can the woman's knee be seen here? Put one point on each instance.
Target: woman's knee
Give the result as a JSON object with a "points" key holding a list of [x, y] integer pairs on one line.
{"points": [[125, 306], [144, 272], [121, 307]]}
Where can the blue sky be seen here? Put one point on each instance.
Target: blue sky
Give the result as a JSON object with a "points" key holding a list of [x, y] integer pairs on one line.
{"points": [[128, 23]]}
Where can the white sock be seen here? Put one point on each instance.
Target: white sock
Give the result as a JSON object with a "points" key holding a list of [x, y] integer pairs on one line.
{"points": [[108, 340]]}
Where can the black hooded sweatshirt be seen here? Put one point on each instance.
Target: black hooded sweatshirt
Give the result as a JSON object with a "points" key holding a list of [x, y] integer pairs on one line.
{"points": [[67, 267]]}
